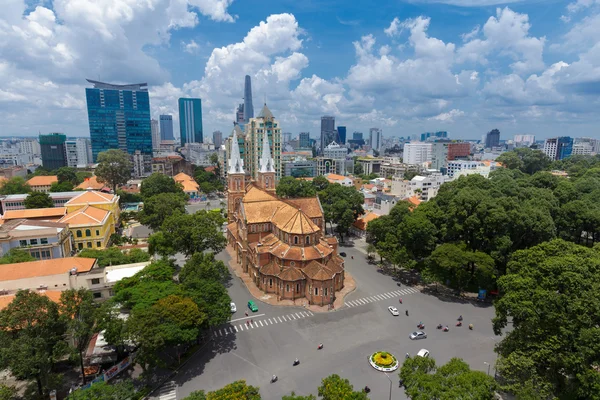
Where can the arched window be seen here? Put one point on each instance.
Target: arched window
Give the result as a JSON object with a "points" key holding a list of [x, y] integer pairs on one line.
{"points": [[307, 239], [295, 239], [88, 232], [270, 282], [287, 288], [79, 234]]}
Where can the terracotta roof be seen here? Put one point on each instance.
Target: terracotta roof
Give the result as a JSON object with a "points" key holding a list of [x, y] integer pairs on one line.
{"points": [[31, 269], [53, 295], [91, 197], [294, 253], [299, 223], [88, 215], [291, 274], [414, 200], [270, 269], [335, 264], [210, 169], [91, 184], [189, 186], [331, 240], [363, 221], [309, 205], [42, 180], [317, 271], [180, 177], [335, 177], [255, 194], [52, 213]]}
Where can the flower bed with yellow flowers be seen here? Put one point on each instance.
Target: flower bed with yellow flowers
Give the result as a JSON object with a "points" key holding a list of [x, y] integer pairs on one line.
{"points": [[383, 361]]}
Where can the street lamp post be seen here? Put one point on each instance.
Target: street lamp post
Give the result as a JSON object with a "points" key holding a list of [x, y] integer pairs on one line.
{"points": [[489, 365], [387, 376]]}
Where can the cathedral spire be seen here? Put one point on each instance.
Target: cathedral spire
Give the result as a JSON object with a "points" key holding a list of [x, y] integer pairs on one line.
{"points": [[236, 164], [266, 161]]}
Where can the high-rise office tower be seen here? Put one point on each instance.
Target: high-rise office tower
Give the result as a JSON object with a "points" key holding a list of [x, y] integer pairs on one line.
{"points": [[54, 152], [190, 121], [357, 136], [492, 139], [558, 148], [523, 140], [217, 139], [155, 134], [248, 107], [304, 140], [256, 128], [239, 114], [286, 137], [341, 133], [119, 117], [432, 135], [166, 127], [327, 131], [375, 138]]}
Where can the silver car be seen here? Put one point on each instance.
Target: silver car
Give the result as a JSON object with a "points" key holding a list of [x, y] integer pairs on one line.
{"points": [[418, 335]]}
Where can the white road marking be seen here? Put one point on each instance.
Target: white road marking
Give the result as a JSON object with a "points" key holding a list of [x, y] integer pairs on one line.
{"points": [[251, 316], [236, 329], [292, 316], [279, 319], [261, 324]]}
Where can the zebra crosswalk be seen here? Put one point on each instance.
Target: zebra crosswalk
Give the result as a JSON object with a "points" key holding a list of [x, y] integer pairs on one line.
{"points": [[260, 323], [380, 297], [168, 391]]}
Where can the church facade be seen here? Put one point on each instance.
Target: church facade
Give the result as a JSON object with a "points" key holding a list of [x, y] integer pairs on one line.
{"points": [[280, 243]]}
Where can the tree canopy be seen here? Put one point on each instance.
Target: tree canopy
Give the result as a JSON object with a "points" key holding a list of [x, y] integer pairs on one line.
{"points": [[16, 185], [104, 391], [525, 159], [16, 256], [289, 187], [236, 390], [114, 168], [550, 297], [114, 256], [38, 200], [208, 181], [336, 388], [159, 207], [158, 183], [61, 187], [67, 174], [341, 204]]}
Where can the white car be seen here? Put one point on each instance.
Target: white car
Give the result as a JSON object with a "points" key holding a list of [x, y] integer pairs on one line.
{"points": [[423, 353], [233, 307], [394, 311], [418, 335]]}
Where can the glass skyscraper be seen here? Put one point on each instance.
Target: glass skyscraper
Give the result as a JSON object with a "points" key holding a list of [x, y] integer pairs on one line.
{"points": [[190, 121], [119, 117]]}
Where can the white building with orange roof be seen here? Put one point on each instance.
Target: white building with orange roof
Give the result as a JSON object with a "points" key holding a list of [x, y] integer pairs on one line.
{"points": [[359, 227], [280, 243], [342, 180], [42, 183], [189, 184]]}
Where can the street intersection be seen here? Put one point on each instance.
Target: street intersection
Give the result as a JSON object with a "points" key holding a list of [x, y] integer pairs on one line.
{"points": [[266, 342]]}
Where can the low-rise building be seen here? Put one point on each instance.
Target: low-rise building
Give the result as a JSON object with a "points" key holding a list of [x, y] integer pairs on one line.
{"points": [[42, 239], [426, 187], [359, 227], [35, 214], [330, 166], [42, 183], [370, 165], [93, 184], [384, 203], [300, 168], [17, 201], [483, 168], [342, 180], [171, 165], [189, 185], [398, 169], [104, 201], [461, 165], [91, 227]]}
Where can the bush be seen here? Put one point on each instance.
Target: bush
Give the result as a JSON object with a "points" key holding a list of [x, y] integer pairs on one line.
{"points": [[383, 359]]}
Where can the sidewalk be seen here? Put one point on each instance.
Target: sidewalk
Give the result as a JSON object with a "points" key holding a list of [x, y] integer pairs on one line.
{"points": [[270, 298]]}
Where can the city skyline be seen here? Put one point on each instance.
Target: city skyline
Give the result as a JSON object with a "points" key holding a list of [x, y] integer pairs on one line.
{"points": [[407, 69]]}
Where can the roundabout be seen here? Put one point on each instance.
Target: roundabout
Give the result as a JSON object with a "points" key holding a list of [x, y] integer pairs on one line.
{"points": [[383, 361]]}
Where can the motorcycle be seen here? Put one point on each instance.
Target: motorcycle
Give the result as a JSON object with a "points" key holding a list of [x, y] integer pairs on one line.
{"points": [[296, 362], [407, 313], [459, 323], [274, 379], [367, 389], [460, 318], [470, 326], [446, 329], [439, 326], [400, 301], [320, 346], [421, 326]]}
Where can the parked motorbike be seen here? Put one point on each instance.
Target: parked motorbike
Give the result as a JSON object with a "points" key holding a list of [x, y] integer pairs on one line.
{"points": [[296, 362]]}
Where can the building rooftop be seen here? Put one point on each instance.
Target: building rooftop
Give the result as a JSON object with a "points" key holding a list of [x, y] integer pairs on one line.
{"points": [[91, 184], [42, 180], [189, 186], [22, 226], [53, 295], [132, 86], [24, 270], [88, 215], [91, 197], [335, 177], [181, 177], [55, 212], [363, 221], [53, 196]]}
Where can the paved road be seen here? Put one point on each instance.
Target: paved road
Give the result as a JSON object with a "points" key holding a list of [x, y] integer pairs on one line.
{"points": [[205, 205], [364, 325]]}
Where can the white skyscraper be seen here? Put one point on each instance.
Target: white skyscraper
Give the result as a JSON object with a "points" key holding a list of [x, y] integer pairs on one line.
{"points": [[155, 134], [375, 138], [417, 153]]}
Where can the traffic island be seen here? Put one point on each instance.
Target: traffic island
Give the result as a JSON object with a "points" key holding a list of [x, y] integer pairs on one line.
{"points": [[383, 361]]}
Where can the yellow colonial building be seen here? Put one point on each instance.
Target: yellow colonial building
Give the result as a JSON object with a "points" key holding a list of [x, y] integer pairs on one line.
{"points": [[92, 217]]}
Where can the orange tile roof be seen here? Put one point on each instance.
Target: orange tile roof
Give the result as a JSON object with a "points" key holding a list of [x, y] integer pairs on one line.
{"points": [[317, 271], [42, 180], [180, 177], [91, 183], [270, 269], [31, 269], [54, 212], [414, 200], [363, 221], [309, 206], [53, 295], [189, 186], [88, 215], [210, 169], [91, 197], [291, 274], [335, 177], [299, 223], [254, 194]]}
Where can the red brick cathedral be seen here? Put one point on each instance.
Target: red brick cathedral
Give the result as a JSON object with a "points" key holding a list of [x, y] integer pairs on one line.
{"points": [[280, 242]]}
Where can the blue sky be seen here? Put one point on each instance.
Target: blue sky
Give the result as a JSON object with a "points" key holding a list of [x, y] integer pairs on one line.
{"points": [[406, 66]]}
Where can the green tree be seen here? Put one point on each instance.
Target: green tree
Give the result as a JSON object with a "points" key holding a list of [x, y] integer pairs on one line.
{"points": [[550, 297], [408, 175], [7, 392], [158, 183], [114, 168], [208, 180], [320, 183], [159, 207], [104, 391], [78, 311], [16, 256], [511, 160], [38, 200], [527, 160], [289, 187], [236, 390], [294, 396], [170, 322], [336, 388], [16, 185], [454, 380], [61, 187], [358, 168], [196, 395], [189, 234], [67, 174], [114, 256], [82, 176], [214, 160], [126, 197], [31, 338], [336, 199]]}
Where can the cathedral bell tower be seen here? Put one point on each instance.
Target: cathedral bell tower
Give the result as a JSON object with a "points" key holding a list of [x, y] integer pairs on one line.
{"points": [[236, 186], [266, 173]]}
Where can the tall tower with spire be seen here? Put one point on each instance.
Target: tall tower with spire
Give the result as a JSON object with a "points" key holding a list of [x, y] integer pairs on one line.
{"points": [[266, 172], [236, 186], [248, 107]]}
